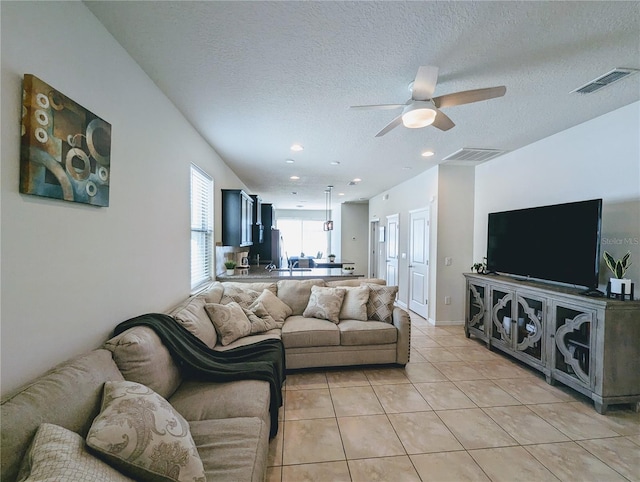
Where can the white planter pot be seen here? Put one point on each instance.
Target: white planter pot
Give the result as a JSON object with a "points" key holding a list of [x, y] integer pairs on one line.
{"points": [[616, 285], [230, 272], [506, 324]]}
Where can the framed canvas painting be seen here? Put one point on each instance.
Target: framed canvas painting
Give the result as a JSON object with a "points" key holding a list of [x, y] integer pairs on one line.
{"points": [[65, 150]]}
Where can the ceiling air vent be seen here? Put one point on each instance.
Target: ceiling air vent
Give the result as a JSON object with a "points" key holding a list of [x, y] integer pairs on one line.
{"points": [[469, 155], [609, 78]]}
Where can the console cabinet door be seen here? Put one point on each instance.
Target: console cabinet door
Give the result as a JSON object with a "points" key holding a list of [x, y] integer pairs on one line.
{"points": [[572, 344], [476, 310], [502, 304], [529, 322]]}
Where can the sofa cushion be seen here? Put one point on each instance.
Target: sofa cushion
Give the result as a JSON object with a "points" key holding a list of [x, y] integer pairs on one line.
{"points": [[195, 319], [257, 286], [233, 449], [69, 395], [296, 293], [239, 294], [325, 303], [142, 357], [275, 334], [380, 304], [277, 308], [196, 400], [60, 454], [354, 305], [354, 332], [260, 318], [141, 434], [230, 321], [213, 294], [299, 331]]}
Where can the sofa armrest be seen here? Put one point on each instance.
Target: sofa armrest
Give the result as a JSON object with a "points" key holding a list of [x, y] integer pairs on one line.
{"points": [[402, 321]]}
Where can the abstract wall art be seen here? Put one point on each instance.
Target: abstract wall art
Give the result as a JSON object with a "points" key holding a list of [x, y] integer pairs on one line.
{"points": [[65, 149]]}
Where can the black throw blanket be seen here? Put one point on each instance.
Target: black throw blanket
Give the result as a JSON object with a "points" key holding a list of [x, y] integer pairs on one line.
{"points": [[263, 360]]}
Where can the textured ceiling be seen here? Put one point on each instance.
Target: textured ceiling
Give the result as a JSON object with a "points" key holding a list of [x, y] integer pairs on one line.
{"points": [[255, 77]]}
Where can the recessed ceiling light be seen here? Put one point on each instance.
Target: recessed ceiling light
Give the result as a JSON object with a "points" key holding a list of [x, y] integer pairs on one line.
{"points": [[299, 206], [407, 168], [427, 154], [340, 194], [289, 161], [295, 193], [297, 147], [335, 163], [294, 178], [357, 179]]}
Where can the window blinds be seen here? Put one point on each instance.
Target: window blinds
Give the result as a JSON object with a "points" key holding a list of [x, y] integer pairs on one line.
{"points": [[201, 226]]}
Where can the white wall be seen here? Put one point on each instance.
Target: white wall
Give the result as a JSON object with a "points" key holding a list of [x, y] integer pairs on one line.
{"points": [[71, 272], [597, 159]]}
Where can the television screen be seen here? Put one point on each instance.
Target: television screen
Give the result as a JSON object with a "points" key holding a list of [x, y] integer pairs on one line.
{"points": [[555, 243]]}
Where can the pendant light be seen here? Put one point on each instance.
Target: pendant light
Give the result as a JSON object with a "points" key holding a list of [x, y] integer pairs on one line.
{"points": [[328, 224]]}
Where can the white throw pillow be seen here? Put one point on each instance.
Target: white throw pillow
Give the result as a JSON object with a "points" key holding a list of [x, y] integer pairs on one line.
{"points": [[277, 308], [142, 435], [60, 454], [354, 305]]}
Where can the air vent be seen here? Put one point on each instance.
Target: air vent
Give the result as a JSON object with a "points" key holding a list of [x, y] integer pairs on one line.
{"points": [[469, 155], [605, 80]]}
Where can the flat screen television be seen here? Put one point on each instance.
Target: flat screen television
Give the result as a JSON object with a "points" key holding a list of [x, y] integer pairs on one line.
{"points": [[558, 243]]}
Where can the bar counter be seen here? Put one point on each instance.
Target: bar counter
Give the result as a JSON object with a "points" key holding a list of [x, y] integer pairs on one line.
{"points": [[259, 273]]}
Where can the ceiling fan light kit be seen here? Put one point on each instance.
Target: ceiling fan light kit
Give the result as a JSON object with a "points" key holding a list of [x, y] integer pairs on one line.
{"points": [[418, 114]]}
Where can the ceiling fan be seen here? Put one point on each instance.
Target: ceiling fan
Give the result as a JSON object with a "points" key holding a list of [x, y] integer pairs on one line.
{"points": [[423, 110]]}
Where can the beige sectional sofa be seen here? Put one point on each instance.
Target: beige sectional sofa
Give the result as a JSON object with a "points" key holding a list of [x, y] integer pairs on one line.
{"points": [[228, 423]]}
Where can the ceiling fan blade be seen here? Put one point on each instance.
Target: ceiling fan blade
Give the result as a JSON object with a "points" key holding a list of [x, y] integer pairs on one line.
{"points": [[442, 121], [425, 82], [391, 125], [377, 107], [469, 96]]}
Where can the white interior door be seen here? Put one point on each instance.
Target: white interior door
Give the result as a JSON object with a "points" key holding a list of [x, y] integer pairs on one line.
{"points": [[419, 261], [392, 235]]}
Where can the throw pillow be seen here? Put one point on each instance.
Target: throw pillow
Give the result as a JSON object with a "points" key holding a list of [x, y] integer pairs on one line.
{"points": [[140, 433], [260, 319], [230, 321], [380, 304], [295, 293], [194, 318], [354, 305], [239, 294], [60, 454], [277, 308], [325, 303]]}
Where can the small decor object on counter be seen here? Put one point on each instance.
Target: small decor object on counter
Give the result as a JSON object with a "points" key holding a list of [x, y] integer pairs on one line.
{"points": [[480, 268], [618, 285], [348, 269], [230, 265], [332, 258], [65, 149]]}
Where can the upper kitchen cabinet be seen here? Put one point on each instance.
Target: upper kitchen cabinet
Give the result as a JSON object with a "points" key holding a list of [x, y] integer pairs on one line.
{"points": [[237, 218]]}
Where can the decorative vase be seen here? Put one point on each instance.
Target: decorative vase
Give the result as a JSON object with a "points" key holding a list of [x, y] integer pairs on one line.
{"points": [[332, 259], [506, 324], [616, 285], [230, 271]]}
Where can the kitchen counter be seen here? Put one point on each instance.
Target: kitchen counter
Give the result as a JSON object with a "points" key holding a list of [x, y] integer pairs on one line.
{"points": [[258, 273]]}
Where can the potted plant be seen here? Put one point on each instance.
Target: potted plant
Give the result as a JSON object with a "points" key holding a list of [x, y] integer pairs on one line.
{"points": [[332, 258], [230, 265], [619, 268], [480, 268], [348, 269]]}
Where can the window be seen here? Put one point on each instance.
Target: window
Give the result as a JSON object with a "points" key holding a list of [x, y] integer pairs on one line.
{"points": [[303, 236], [201, 226]]}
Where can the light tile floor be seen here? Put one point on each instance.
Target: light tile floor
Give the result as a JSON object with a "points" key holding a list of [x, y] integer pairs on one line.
{"points": [[456, 412]]}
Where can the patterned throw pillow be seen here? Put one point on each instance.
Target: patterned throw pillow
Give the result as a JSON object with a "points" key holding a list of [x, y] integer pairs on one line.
{"points": [[243, 296], [380, 304], [325, 303], [260, 318], [277, 308], [60, 454], [354, 306], [230, 321], [140, 433]]}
